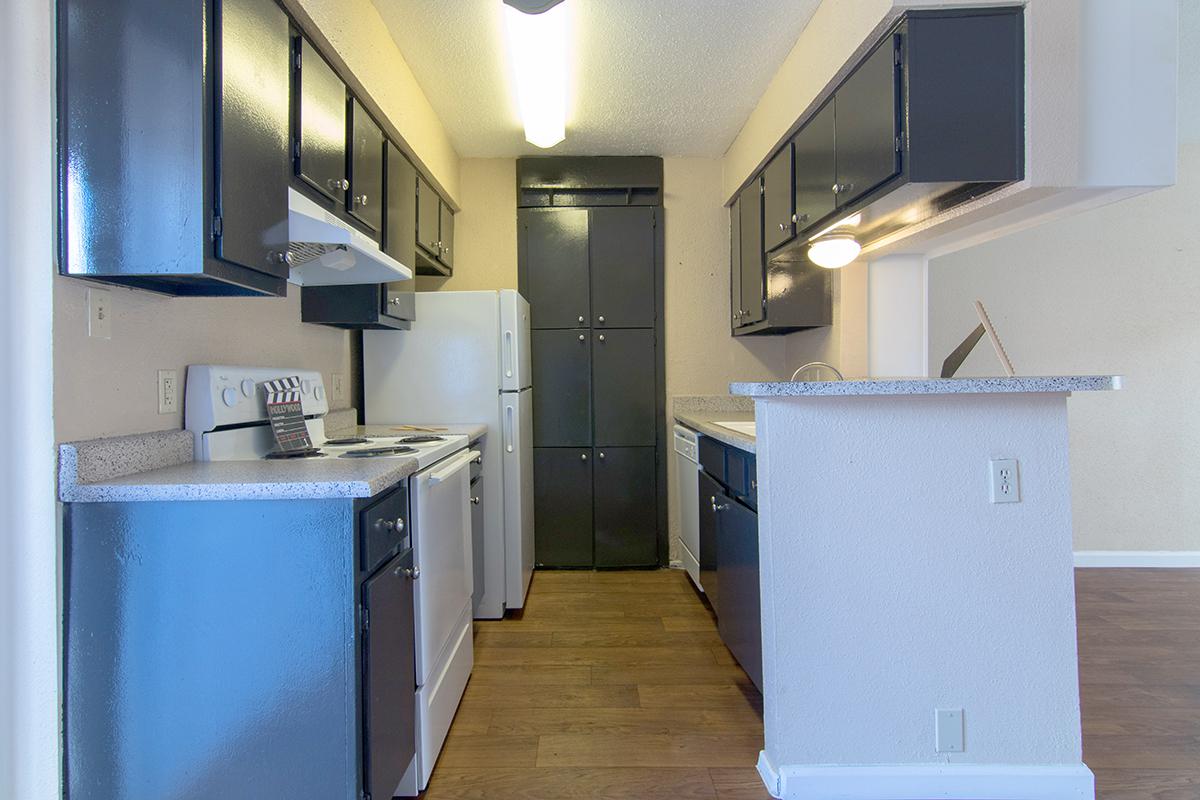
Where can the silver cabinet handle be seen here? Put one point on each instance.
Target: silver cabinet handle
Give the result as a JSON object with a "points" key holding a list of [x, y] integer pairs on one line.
{"points": [[409, 572], [478, 459], [601, 454], [384, 524], [783, 226], [838, 188], [583, 456], [339, 183], [395, 301], [600, 318], [582, 337], [602, 337], [361, 200], [717, 506], [581, 317], [474, 501], [399, 524], [800, 219], [284, 257]]}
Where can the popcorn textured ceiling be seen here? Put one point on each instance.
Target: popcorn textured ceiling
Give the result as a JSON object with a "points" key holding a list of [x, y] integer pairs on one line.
{"points": [[651, 77]]}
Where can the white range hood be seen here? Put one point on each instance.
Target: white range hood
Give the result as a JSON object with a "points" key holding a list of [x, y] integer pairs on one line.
{"points": [[326, 251]]}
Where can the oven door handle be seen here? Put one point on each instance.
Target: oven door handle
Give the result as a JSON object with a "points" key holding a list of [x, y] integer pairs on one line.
{"points": [[453, 465]]}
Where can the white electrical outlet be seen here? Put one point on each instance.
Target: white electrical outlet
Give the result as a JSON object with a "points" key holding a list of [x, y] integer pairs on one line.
{"points": [[339, 388], [99, 303], [948, 723], [168, 391], [1006, 481]]}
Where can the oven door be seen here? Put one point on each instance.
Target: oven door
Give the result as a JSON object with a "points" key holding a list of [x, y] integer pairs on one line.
{"points": [[442, 554]]}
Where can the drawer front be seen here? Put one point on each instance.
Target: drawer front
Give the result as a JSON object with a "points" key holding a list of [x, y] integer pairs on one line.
{"points": [[712, 457], [384, 529]]}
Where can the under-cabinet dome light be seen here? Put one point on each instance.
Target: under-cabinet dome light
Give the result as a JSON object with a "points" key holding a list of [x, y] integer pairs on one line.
{"points": [[834, 250]]}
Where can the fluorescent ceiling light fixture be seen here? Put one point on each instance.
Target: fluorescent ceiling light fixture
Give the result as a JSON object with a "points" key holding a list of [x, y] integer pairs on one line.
{"points": [[537, 45], [834, 251]]}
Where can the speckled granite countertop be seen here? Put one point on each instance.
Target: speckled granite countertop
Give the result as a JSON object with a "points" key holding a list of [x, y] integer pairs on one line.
{"points": [[159, 466], [911, 386], [701, 412]]}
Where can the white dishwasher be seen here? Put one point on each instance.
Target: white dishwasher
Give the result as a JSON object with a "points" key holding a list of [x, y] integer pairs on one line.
{"points": [[687, 492]]}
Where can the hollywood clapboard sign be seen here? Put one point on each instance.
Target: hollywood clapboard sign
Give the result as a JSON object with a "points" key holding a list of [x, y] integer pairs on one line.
{"points": [[286, 415]]}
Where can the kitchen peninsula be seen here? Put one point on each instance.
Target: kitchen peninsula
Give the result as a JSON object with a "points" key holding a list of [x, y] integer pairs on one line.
{"points": [[918, 606]]}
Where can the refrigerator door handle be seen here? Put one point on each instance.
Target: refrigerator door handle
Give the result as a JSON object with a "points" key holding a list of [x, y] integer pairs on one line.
{"points": [[508, 428], [509, 356]]}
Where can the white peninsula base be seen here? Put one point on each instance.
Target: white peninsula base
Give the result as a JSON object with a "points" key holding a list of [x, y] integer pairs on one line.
{"points": [[893, 587]]}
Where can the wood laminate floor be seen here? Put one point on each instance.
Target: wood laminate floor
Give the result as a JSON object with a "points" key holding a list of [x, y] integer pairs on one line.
{"points": [[616, 685]]}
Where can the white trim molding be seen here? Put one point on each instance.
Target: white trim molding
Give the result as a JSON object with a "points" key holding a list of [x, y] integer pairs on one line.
{"points": [[1112, 559], [929, 781]]}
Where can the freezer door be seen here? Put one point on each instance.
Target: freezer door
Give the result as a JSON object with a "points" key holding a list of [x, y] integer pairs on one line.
{"points": [[517, 423], [515, 369]]}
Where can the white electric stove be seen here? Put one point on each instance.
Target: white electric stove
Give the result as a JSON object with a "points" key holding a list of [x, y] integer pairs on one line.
{"points": [[225, 408]]}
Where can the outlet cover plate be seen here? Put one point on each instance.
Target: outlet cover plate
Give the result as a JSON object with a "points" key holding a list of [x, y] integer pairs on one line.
{"points": [[168, 391], [949, 727], [339, 388], [99, 303], [1005, 480]]}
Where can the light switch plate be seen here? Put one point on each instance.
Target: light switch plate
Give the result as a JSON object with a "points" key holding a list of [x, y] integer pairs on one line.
{"points": [[168, 391], [1005, 480], [99, 302], [949, 727]]}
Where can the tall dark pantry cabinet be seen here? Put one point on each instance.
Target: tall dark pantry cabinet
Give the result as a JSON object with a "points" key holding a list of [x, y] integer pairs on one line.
{"points": [[590, 255]]}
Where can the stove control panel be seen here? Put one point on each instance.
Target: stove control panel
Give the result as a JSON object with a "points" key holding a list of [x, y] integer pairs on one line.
{"points": [[217, 396]]}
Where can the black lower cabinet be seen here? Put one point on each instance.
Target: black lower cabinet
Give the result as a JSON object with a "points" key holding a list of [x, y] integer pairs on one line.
{"points": [[729, 566], [562, 506], [624, 499], [389, 677]]}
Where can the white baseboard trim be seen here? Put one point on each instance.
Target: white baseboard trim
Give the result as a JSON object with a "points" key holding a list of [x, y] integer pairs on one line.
{"points": [[929, 782], [1165, 559]]}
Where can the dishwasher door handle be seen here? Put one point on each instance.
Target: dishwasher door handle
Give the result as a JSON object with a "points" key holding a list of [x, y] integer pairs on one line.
{"points": [[453, 465]]}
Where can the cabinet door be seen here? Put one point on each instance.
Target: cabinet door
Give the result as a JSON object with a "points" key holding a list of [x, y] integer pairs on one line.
{"points": [[253, 57], [389, 677], [738, 617], [816, 169], [865, 111], [562, 388], [778, 198], [621, 248], [554, 251], [626, 507], [752, 289], [320, 98], [429, 211], [446, 237], [400, 231], [562, 506], [735, 263], [366, 168], [710, 490], [623, 387]]}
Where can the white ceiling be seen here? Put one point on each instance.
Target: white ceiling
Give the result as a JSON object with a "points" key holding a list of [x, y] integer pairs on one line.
{"points": [[651, 77]]}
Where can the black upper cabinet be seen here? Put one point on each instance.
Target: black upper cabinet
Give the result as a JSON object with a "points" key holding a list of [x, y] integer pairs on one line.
{"points": [[621, 249], [319, 99], [816, 169], [428, 217], [400, 231], [169, 155], [252, 135], [446, 237], [750, 226], [366, 167], [553, 250], [865, 111], [778, 200]]}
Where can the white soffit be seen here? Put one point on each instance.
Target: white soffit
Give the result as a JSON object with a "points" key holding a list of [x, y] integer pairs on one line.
{"points": [[666, 77]]}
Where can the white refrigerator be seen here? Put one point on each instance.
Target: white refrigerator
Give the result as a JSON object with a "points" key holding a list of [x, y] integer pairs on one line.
{"points": [[466, 360]]}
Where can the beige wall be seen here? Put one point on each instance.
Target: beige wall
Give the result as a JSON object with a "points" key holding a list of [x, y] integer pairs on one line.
{"points": [[361, 41], [485, 230], [1115, 289], [108, 387]]}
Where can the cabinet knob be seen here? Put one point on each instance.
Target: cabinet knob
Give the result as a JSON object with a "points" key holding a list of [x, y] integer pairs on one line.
{"points": [[718, 506], [395, 301], [385, 524], [338, 183], [581, 317], [583, 456], [801, 219], [838, 188], [446, 250], [399, 524], [783, 226], [601, 455], [602, 337], [474, 501], [284, 257], [409, 572], [361, 199], [600, 318], [582, 337]]}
